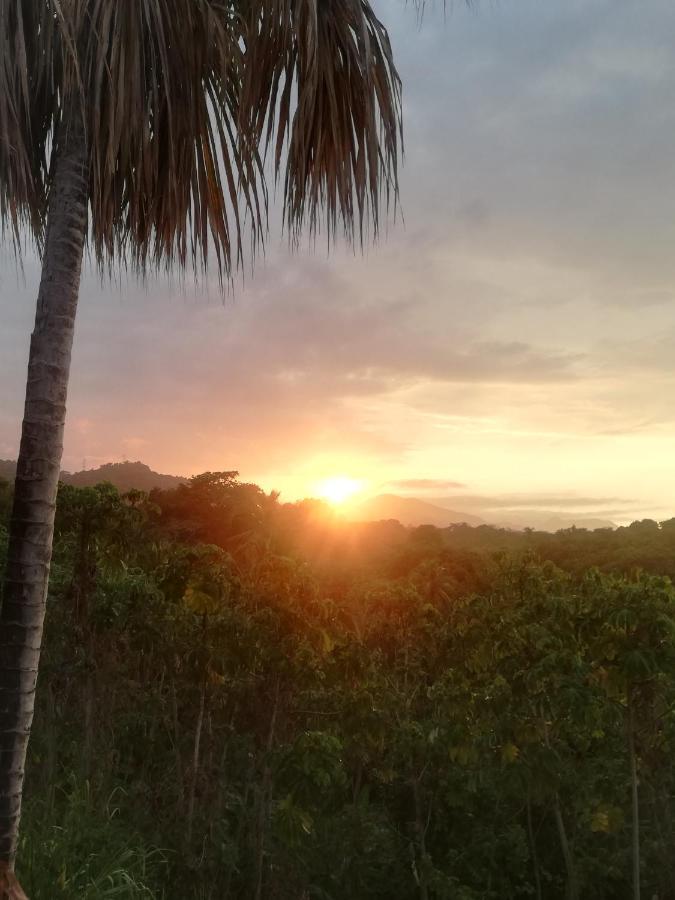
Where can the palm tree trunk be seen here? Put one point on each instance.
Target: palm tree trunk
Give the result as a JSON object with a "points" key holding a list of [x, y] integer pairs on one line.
{"points": [[39, 463]]}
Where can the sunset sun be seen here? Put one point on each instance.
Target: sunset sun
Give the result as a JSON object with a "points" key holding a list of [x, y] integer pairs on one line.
{"points": [[338, 489]]}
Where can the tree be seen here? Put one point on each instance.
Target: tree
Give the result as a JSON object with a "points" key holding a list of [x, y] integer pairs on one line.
{"points": [[142, 130]]}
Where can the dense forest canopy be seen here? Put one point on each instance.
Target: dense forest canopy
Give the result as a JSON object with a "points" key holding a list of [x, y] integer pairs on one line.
{"points": [[248, 699]]}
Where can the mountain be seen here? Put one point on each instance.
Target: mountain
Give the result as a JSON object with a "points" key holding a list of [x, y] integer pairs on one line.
{"points": [[412, 511], [125, 476], [409, 511], [520, 516], [546, 520]]}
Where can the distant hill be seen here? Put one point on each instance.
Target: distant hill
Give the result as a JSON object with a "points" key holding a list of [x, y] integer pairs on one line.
{"points": [[409, 511], [126, 476], [540, 518], [545, 520], [412, 511]]}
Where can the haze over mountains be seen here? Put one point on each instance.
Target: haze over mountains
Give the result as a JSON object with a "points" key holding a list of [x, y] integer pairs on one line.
{"points": [[410, 511], [413, 511], [516, 512], [440, 512]]}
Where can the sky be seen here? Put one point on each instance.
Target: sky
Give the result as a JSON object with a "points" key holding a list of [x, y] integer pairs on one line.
{"points": [[510, 340]]}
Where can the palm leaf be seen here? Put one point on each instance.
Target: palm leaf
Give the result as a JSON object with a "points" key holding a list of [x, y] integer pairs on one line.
{"points": [[28, 106], [321, 83], [183, 100]]}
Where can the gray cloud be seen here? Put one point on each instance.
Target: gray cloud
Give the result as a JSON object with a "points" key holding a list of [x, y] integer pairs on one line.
{"points": [[561, 116]]}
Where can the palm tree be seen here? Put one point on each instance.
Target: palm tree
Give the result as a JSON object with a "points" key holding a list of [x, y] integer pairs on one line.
{"points": [[141, 129]]}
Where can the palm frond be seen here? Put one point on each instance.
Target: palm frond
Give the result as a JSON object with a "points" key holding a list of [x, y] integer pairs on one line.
{"points": [[168, 179], [321, 85], [182, 100], [28, 106]]}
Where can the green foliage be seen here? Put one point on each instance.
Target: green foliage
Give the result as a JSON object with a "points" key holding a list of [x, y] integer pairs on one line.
{"points": [[5, 501], [241, 699], [90, 854]]}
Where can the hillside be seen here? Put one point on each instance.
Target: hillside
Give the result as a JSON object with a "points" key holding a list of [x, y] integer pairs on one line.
{"points": [[409, 511], [125, 476], [441, 513], [539, 517], [547, 520]]}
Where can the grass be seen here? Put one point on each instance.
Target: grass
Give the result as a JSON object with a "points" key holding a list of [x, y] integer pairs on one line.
{"points": [[73, 851]]}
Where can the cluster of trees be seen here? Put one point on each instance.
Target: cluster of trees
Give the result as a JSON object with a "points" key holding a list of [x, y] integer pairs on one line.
{"points": [[244, 699]]}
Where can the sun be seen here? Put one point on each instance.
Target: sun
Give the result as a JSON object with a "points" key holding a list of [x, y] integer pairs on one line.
{"points": [[338, 489]]}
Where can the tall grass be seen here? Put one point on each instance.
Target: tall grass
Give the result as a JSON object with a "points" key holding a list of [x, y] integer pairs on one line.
{"points": [[73, 851]]}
